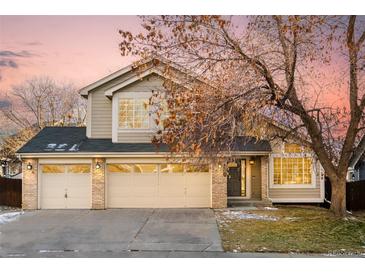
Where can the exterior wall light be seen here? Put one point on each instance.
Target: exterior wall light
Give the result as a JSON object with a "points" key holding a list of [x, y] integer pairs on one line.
{"points": [[252, 162], [3, 164], [97, 166], [29, 166]]}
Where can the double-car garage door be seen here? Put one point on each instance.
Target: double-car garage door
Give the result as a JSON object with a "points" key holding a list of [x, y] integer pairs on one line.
{"points": [[127, 185], [158, 185]]}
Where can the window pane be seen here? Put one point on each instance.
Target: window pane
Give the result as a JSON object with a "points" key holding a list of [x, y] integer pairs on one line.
{"points": [[197, 168], [292, 170], [292, 148], [53, 168], [123, 168], [78, 169], [277, 170], [307, 177], [172, 168], [133, 113], [145, 168]]}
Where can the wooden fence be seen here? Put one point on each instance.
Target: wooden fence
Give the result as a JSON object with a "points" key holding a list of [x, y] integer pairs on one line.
{"points": [[355, 194], [10, 192]]}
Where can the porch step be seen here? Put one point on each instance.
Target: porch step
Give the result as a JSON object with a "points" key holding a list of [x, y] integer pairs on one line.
{"points": [[237, 202]]}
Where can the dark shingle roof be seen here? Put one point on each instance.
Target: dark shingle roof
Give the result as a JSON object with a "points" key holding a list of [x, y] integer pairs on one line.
{"points": [[74, 140]]}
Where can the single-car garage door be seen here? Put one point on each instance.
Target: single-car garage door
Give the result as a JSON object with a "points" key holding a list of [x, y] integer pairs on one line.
{"points": [[158, 185], [65, 186]]}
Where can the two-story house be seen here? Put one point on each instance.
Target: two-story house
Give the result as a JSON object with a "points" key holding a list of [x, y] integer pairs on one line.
{"points": [[113, 164]]}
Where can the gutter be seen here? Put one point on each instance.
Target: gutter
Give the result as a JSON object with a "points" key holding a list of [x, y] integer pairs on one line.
{"points": [[130, 154]]}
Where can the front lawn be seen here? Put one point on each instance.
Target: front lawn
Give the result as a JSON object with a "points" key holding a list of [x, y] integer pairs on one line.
{"points": [[291, 229]]}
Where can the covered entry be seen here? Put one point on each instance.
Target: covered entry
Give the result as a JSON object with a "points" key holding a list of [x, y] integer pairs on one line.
{"points": [[158, 185], [238, 179]]}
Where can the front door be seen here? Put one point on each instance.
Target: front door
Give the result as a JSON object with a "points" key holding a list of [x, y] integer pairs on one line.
{"points": [[237, 179]]}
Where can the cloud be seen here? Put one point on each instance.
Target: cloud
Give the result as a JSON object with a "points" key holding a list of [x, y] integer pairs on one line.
{"points": [[9, 53], [4, 104], [9, 58], [33, 43], [8, 63]]}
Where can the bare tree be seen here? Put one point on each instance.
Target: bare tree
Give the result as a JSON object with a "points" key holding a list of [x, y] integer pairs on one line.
{"points": [[41, 102], [37, 103], [263, 70]]}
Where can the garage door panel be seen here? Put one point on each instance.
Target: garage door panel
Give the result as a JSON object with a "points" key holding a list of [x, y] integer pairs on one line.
{"points": [[197, 187], [171, 185], [59, 180], [201, 201], [131, 202], [78, 203], [171, 202], [132, 190]]}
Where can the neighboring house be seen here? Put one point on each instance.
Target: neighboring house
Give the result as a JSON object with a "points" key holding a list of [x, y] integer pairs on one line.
{"points": [[113, 164], [10, 168], [357, 170]]}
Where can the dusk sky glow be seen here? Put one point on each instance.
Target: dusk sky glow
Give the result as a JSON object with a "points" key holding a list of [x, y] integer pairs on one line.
{"points": [[80, 49], [77, 49]]}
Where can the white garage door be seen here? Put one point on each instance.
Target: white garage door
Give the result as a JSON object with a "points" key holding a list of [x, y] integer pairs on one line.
{"points": [[158, 185], [65, 186]]}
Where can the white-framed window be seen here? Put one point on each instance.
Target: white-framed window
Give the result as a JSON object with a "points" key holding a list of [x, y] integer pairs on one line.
{"points": [[293, 167], [133, 113]]}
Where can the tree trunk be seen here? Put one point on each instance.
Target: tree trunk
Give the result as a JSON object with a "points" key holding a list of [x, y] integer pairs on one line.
{"points": [[338, 198]]}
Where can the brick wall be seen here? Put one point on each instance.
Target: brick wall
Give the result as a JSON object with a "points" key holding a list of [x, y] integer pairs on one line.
{"points": [[219, 187], [30, 184], [264, 177], [98, 184]]}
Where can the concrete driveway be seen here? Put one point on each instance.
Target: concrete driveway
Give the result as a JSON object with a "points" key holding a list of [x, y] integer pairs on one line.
{"points": [[112, 230]]}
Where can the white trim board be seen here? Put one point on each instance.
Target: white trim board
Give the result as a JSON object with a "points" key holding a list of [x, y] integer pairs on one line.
{"points": [[297, 200], [290, 186]]}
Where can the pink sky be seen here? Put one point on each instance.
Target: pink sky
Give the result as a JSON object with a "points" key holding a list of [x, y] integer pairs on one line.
{"points": [[80, 49]]}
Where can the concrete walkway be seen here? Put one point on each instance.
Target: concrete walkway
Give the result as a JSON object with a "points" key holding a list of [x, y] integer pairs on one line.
{"points": [[105, 233]]}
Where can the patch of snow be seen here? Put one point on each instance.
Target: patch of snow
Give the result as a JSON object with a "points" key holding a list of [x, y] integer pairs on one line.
{"points": [[75, 147], [270, 208], [292, 218], [51, 146], [55, 250], [248, 216], [9, 217]]}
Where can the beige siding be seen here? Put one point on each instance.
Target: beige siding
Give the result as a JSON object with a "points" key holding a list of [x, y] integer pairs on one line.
{"points": [[101, 115], [256, 179]]}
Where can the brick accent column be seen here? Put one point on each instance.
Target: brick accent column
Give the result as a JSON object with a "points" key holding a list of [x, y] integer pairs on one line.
{"points": [[264, 177], [30, 184], [219, 187], [98, 184]]}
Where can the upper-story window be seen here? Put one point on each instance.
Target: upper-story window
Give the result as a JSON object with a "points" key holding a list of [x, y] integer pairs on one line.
{"points": [[293, 166], [133, 114]]}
